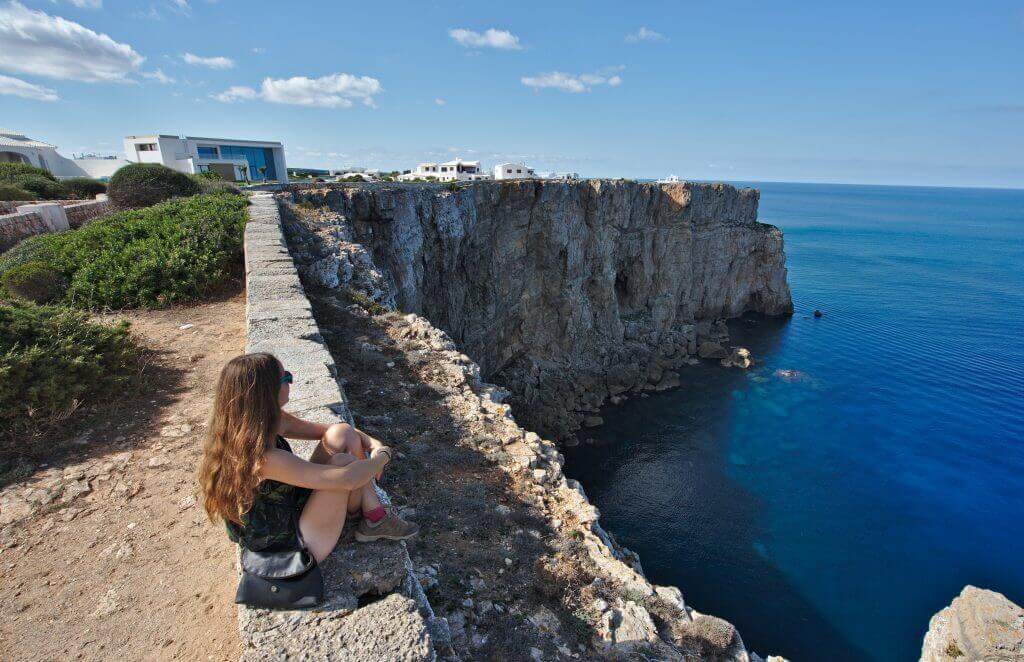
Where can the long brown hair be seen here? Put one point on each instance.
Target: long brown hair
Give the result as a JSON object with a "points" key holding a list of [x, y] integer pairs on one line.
{"points": [[243, 426]]}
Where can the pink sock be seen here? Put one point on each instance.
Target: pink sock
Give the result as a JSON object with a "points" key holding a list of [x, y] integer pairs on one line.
{"points": [[375, 515]]}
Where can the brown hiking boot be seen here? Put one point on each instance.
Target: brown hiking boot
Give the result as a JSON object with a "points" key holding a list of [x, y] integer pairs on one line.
{"points": [[392, 527]]}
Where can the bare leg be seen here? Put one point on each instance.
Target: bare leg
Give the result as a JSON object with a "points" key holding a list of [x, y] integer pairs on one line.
{"points": [[323, 517], [343, 439]]}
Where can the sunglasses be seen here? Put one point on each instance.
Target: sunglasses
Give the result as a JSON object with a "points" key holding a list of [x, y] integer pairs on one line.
{"points": [[287, 378]]}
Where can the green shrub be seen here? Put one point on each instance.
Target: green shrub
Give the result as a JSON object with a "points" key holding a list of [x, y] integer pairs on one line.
{"points": [[40, 248], [10, 171], [43, 187], [34, 281], [53, 360], [83, 188], [214, 183], [175, 251], [11, 192], [145, 184]]}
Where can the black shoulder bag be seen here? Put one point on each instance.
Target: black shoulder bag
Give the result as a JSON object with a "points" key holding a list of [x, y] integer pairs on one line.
{"points": [[280, 580]]}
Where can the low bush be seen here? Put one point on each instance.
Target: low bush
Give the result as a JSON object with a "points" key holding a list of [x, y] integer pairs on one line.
{"points": [[83, 188], [10, 171], [144, 184], [175, 251], [211, 182], [34, 281], [10, 192], [54, 360], [43, 187]]}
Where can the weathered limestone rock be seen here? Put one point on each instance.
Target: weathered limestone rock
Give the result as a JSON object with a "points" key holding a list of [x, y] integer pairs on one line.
{"points": [[738, 358], [568, 292], [978, 625], [626, 627]]}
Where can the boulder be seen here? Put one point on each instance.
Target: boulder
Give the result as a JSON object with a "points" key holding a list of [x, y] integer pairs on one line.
{"points": [[978, 625], [738, 358], [627, 625]]}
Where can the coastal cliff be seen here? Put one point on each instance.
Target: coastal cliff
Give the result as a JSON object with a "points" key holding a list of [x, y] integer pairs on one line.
{"points": [[567, 293], [525, 571]]}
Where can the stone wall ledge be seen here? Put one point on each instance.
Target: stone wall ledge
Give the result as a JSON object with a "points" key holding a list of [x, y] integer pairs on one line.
{"points": [[402, 625]]}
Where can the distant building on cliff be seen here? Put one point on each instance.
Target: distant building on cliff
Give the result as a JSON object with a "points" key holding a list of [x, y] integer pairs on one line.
{"points": [[234, 160], [449, 171], [513, 171], [18, 148]]}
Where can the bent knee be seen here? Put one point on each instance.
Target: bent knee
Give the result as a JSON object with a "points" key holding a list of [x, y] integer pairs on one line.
{"points": [[341, 437], [342, 459]]}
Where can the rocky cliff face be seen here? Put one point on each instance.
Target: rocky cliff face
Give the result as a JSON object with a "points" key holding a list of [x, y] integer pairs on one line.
{"points": [[567, 292], [978, 625]]}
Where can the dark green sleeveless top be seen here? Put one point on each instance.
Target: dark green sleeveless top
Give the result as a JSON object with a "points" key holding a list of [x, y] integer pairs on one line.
{"points": [[273, 520]]}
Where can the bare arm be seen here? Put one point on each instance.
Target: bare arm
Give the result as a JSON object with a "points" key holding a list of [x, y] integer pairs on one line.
{"points": [[284, 467], [296, 428]]}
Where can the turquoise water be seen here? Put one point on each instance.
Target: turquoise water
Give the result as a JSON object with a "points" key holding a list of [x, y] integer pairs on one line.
{"points": [[830, 513]]}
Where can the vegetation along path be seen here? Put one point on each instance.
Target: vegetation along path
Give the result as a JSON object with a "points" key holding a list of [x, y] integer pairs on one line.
{"points": [[105, 554]]}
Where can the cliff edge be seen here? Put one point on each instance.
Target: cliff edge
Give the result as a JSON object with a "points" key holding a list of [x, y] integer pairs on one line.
{"points": [[978, 625], [566, 293]]}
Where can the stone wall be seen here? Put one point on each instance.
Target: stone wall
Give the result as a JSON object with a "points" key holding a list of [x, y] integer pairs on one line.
{"points": [[82, 213], [41, 217], [279, 320], [567, 292], [16, 227]]}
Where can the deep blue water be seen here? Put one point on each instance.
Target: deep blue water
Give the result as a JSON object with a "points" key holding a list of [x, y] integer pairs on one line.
{"points": [[829, 516]]}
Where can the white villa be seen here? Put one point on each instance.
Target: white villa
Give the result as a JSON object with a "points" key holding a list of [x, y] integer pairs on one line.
{"points": [[449, 171], [234, 160], [18, 148], [513, 171]]}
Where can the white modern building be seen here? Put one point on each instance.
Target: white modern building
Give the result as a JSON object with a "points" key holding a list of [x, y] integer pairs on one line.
{"points": [[449, 171], [234, 160], [513, 171], [18, 148]]}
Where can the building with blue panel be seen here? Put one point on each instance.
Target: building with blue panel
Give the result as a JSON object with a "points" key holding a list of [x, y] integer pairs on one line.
{"points": [[233, 160]]}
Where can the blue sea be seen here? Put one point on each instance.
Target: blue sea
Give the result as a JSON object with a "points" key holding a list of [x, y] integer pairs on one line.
{"points": [[830, 511]]}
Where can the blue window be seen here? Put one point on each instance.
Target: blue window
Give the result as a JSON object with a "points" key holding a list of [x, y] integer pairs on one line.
{"points": [[207, 152], [260, 160]]}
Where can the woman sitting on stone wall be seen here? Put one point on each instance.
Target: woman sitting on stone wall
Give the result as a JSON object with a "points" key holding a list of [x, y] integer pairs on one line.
{"points": [[267, 496]]}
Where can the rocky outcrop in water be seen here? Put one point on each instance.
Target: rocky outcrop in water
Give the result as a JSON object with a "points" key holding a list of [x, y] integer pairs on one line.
{"points": [[566, 292], [978, 625]]}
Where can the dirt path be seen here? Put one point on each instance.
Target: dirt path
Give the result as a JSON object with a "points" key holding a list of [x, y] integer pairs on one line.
{"points": [[104, 554]]}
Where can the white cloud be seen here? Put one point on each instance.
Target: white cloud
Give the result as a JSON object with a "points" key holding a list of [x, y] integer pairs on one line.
{"points": [[556, 80], [258, 50], [16, 87], [490, 38], [36, 43], [87, 4], [574, 84], [335, 91], [215, 62], [235, 93], [159, 76], [645, 34], [439, 101]]}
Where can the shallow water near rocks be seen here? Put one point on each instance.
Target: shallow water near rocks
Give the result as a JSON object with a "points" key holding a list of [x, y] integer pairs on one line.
{"points": [[830, 511]]}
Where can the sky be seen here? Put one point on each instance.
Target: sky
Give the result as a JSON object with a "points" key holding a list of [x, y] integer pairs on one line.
{"points": [[921, 93]]}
